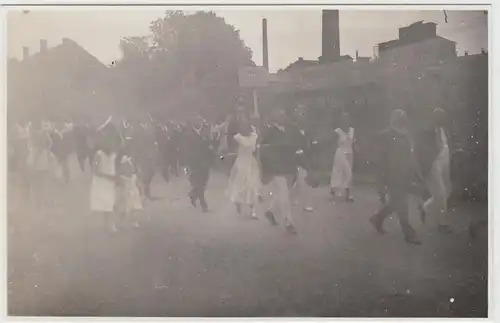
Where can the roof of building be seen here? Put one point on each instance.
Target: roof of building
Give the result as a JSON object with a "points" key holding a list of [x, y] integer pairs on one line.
{"points": [[403, 42], [60, 57], [346, 75], [302, 63]]}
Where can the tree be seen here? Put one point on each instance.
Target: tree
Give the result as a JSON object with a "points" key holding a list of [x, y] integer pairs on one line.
{"points": [[189, 63]]}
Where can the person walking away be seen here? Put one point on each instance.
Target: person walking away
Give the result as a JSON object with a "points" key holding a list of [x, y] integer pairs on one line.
{"points": [[105, 179], [434, 159], [341, 175], [199, 162], [279, 164], [397, 168], [244, 179]]}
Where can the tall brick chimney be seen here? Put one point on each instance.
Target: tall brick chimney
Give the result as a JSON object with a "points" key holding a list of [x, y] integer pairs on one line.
{"points": [[330, 35]]}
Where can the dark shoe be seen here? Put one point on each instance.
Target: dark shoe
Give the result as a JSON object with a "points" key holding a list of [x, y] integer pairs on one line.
{"points": [[270, 217], [423, 214], [445, 229], [291, 229], [349, 199], [413, 241], [377, 225], [205, 210]]}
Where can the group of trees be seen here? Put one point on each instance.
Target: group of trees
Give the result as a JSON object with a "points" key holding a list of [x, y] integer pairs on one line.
{"points": [[187, 64]]}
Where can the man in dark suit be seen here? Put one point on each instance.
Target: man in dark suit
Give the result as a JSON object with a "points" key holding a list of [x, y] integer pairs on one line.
{"points": [[397, 169], [200, 158]]}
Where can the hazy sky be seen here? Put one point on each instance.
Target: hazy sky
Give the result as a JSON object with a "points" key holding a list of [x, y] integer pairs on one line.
{"points": [[292, 32]]}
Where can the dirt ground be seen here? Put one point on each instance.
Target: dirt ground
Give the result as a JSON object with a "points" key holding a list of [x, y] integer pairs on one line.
{"points": [[62, 261]]}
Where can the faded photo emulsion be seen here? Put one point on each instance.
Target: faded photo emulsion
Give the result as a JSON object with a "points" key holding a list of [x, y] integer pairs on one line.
{"points": [[247, 162]]}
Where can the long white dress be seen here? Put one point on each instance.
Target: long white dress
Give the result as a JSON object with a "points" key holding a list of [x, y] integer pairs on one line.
{"points": [[132, 196], [438, 181], [341, 175], [103, 190], [244, 179]]}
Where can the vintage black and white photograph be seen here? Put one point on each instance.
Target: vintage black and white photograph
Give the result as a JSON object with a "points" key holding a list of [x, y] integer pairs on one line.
{"points": [[247, 161]]}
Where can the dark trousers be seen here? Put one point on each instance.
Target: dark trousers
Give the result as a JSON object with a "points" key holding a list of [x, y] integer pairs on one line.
{"points": [[198, 180], [397, 203]]}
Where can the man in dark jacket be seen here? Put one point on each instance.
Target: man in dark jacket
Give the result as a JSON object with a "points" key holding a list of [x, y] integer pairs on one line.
{"points": [[397, 172], [200, 157], [280, 151]]}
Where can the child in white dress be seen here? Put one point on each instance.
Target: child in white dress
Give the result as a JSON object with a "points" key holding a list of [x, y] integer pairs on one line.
{"points": [[244, 180], [131, 196]]}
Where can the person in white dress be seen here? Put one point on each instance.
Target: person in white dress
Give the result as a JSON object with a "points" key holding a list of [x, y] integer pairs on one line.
{"points": [[244, 179], [103, 187], [341, 175], [437, 179], [131, 197]]}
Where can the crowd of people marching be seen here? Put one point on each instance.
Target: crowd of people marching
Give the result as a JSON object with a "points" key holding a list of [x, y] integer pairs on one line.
{"points": [[267, 160]]}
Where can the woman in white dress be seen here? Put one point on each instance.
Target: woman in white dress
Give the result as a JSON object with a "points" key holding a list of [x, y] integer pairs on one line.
{"points": [[438, 177], [103, 187], [341, 175], [244, 179]]}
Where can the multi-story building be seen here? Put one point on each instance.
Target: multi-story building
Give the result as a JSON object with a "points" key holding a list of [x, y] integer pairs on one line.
{"points": [[418, 43]]}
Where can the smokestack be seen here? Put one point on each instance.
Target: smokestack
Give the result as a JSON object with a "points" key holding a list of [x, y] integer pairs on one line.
{"points": [[43, 45], [26, 52], [265, 58], [330, 35]]}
